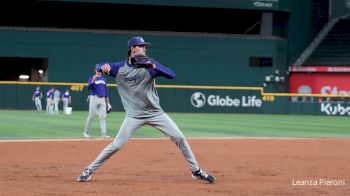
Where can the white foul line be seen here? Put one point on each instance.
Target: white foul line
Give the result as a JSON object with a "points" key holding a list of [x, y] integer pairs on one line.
{"points": [[189, 138]]}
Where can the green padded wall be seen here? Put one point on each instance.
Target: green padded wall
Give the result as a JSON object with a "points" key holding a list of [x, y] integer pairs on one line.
{"points": [[197, 60]]}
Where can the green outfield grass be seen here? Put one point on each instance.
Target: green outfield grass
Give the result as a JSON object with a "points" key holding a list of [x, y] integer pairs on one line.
{"points": [[29, 124]]}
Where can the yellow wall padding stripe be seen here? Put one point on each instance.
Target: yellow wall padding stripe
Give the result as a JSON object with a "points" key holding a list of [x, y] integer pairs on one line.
{"points": [[189, 87]]}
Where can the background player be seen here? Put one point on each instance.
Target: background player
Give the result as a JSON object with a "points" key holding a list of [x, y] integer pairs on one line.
{"points": [[66, 99], [37, 96], [49, 101], [56, 100], [98, 102], [136, 87]]}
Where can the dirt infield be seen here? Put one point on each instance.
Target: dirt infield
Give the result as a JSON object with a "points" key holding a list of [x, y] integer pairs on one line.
{"points": [[156, 167]]}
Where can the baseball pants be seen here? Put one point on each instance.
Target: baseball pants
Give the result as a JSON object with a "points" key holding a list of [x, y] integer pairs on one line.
{"points": [[130, 125], [97, 105]]}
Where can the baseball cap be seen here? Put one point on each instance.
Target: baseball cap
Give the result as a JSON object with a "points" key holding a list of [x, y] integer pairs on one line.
{"points": [[136, 41], [98, 67]]}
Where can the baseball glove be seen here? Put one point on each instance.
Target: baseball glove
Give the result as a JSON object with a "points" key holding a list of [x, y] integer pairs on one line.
{"points": [[141, 61], [109, 108]]}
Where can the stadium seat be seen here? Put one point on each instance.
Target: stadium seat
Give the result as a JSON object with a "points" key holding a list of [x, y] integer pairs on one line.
{"points": [[334, 50]]}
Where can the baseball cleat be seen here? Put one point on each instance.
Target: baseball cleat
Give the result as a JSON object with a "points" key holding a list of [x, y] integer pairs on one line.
{"points": [[85, 175], [86, 135], [201, 174], [105, 136]]}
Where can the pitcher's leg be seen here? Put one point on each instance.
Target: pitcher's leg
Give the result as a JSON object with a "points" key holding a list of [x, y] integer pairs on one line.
{"points": [[169, 128], [127, 129]]}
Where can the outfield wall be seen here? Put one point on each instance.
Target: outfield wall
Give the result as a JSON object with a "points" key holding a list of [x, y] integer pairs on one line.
{"points": [[197, 60], [182, 98]]}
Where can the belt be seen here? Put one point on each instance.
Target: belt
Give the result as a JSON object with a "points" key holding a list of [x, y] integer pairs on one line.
{"points": [[99, 96]]}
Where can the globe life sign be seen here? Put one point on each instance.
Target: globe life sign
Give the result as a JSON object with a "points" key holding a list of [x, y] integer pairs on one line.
{"points": [[199, 100]]}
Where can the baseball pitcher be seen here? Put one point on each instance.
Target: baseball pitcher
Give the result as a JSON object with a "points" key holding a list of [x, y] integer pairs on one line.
{"points": [[135, 78]]}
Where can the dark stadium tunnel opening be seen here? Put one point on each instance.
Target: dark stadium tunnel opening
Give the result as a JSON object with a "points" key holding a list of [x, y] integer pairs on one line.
{"points": [[25, 69]]}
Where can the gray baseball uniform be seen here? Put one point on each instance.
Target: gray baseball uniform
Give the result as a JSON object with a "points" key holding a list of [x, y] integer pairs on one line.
{"points": [[37, 99], [140, 100], [49, 101], [66, 98], [97, 104], [56, 100]]}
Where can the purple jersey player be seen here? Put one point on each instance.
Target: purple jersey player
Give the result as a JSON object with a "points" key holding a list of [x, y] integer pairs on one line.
{"points": [[37, 95], [98, 103], [49, 101], [66, 99]]}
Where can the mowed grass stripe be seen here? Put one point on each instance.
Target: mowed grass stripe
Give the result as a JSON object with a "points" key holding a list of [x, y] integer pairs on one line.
{"points": [[265, 118], [29, 124], [275, 121]]}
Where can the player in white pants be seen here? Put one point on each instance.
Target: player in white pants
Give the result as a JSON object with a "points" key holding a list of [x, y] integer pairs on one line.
{"points": [[37, 95], [49, 101], [56, 100], [136, 87], [98, 103], [66, 99]]}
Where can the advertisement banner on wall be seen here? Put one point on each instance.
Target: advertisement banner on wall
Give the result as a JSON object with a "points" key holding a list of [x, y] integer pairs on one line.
{"points": [[328, 69], [320, 83], [324, 83], [198, 100], [218, 101]]}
